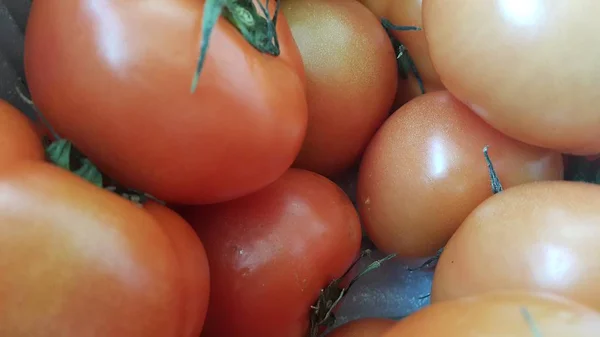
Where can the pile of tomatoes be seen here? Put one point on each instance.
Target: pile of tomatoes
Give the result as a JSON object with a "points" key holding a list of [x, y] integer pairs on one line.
{"points": [[180, 179]]}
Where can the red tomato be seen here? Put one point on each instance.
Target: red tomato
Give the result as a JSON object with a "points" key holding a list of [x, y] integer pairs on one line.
{"points": [[18, 137], [424, 172], [538, 236], [501, 314], [351, 71], [79, 261], [192, 264], [529, 68], [408, 13], [118, 86], [367, 327], [272, 251]]}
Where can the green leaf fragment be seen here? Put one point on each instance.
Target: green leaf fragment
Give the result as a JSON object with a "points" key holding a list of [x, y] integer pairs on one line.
{"points": [[59, 153], [90, 172]]}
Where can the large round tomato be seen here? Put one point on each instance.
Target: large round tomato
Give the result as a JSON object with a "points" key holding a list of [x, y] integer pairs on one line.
{"points": [[528, 67], [424, 172], [408, 13], [538, 236], [501, 314], [351, 72], [366, 327], [114, 77], [79, 261], [18, 137], [271, 252]]}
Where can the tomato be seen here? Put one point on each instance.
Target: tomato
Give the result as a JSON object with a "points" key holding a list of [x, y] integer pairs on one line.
{"points": [[526, 75], [272, 251], [538, 236], [192, 263], [511, 314], [118, 86], [80, 261], [351, 72], [18, 137], [366, 327], [408, 13], [424, 172]]}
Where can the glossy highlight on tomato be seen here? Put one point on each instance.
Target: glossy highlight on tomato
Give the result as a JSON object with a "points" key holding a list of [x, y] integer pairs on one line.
{"points": [[114, 78], [424, 172], [528, 67], [271, 253], [77, 260], [539, 236]]}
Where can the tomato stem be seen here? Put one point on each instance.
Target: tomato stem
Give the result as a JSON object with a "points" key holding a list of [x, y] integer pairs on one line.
{"points": [[406, 65], [495, 181], [431, 262], [535, 330], [252, 20], [322, 315]]}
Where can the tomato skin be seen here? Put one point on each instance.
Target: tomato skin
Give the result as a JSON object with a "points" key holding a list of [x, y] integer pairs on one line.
{"points": [[501, 314], [408, 13], [80, 261], [134, 115], [366, 327], [351, 72], [515, 239], [18, 137], [192, 263], [271, 252], [424, 172], [551, 103]]}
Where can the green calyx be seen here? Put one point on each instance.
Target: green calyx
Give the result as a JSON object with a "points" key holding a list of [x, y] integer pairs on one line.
{"points": [[252, 20], [63, 154]]}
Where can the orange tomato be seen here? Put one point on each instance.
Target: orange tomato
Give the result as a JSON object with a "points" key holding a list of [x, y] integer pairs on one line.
{"points": [[540, 236], [501, 314], [529, 67], [351, 72], [424, 172]]}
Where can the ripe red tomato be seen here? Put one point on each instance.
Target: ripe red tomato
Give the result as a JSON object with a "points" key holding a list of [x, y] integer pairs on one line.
{"points": [[537, 236], [18, 137], [424, 172], [408, 13], [351, 72], [192, 264], [529, 68], [80, 261], [114, 77], [366, 327], [501, 314], [272, 251]]}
